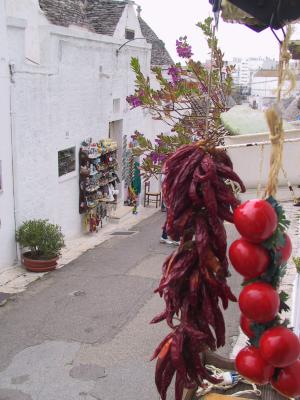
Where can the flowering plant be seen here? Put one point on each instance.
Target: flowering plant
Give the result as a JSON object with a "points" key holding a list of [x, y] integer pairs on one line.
{"points": [[190, 99]]}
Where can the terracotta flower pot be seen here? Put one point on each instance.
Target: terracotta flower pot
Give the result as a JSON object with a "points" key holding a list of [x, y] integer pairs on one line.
{"points": [[38, 265]]}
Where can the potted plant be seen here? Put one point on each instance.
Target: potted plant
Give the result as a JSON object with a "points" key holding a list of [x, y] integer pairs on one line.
{"points": [[43, 242]]}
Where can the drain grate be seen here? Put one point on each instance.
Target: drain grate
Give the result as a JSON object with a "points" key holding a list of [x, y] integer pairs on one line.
{"points": [[123, 233]]}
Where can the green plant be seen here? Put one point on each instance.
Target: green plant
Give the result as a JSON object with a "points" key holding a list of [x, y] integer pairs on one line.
{"points": [[188, 97], [297, 263], [43, 239]]}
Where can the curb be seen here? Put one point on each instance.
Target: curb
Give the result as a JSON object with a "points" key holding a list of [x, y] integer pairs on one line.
{"points": [[15, 279]]}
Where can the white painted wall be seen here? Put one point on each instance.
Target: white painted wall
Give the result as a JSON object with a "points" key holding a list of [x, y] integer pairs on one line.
{"points": [[7, 227], [31, 12], [128, 21], [248, 160], [59, 108], [62, 98], [267, 86], [57, 104], [296, 306]]}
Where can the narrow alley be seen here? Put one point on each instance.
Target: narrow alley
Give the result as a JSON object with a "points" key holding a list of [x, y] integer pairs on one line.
{"points": [[83, 333]]}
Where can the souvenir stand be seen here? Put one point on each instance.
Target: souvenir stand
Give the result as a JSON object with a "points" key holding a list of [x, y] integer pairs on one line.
{"points": [[131, 175], [98, 182]]}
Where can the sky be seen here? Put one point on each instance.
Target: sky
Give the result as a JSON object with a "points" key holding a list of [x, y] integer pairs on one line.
{"points": [[171, 19]]}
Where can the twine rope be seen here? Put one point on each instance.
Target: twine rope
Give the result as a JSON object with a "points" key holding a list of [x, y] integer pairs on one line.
{"points": [[261, 163], [274, 118]]}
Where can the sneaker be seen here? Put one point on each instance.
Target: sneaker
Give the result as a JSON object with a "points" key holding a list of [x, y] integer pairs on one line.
{"points": [[165, 241], [175, 243]]}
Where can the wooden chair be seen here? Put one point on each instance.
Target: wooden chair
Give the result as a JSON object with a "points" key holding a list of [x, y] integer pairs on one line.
{"points": [[151, 197]]}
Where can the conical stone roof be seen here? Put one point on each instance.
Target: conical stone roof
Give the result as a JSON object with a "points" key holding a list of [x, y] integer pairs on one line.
{"points": [[101, 16], [159, 55]]}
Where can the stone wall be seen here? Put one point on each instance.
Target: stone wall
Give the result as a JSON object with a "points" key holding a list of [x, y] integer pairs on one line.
{"points": [[64, 12], [98, 16]]}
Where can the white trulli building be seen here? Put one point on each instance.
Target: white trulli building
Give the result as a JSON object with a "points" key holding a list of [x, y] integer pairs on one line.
{"points": [[64, 77]]}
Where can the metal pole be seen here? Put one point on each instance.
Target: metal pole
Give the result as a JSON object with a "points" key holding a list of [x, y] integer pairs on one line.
{"points": [[265, 142]]}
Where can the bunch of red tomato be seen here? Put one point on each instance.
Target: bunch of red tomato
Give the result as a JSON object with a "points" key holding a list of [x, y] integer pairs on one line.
{"points": [[275, 358]]}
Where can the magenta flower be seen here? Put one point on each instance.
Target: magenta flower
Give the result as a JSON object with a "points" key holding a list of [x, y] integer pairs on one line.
{"points": [[154, 157], [162, 157], [134, 101], [184, 50], [174, 72], [159, 142], [157, 158]]}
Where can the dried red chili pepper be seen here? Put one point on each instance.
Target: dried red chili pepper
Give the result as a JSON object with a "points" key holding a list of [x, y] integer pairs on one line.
{"points": [[194, 195], [221, 156], [228, 173], [167, 379], [179, 387], [193, 284]]}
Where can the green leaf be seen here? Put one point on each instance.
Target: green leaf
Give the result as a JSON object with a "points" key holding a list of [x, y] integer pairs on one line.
{"points": [[283, 299], [297, 263], [178, 104], [135, 65]]}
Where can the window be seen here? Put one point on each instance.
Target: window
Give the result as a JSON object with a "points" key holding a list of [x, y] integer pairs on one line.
{"points": [[66, 161], [129, 34], [116, 105]]}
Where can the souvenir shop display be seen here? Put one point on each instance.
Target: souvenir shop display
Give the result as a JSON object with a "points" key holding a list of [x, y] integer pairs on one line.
{"points": [[98, 181], [131, 175]]}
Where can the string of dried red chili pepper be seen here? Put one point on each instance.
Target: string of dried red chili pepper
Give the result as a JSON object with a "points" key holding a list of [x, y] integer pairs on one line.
{"points": [[193, 283]]}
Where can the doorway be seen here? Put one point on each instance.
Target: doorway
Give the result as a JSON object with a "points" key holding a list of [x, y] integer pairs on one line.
{"points": [[116, 134]]}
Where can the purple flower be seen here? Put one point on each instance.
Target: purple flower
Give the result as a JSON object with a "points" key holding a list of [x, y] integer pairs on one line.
{"points": [[184, 50], [174, 72], [161, 157], [156, 157], [134, 101], [159, 142]]}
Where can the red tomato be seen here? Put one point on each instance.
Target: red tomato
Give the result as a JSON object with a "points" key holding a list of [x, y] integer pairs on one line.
{"points": [[286, 250], [250, 364], [288, 381], [245, 324], [259, 302], [279, 346], [248, 259], [256, 220]]}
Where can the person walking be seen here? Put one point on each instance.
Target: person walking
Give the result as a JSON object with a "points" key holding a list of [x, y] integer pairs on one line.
{"points": [[164, 236]]}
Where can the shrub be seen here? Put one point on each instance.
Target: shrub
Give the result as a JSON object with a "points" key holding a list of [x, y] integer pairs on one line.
{"points": [[43, 239]]}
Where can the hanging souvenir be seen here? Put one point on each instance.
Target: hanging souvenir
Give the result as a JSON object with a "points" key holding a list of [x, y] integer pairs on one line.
{"points": [[97, 183]]}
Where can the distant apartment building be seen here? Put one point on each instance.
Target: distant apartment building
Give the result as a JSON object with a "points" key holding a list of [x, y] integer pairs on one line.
{"points": [[241, 74], [264, 83], [245, 69]]}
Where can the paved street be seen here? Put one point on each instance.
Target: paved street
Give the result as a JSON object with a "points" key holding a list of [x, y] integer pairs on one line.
{"points": [[82, 332]]}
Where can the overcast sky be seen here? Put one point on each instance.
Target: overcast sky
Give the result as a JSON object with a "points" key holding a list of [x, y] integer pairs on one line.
{"points": [[171, 19]]}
